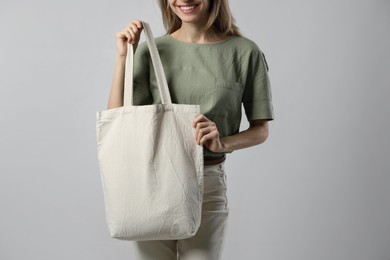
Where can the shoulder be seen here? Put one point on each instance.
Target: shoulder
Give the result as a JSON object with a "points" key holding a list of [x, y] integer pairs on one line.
{"points": [[244, 44], [161, 40], [250, 49]]}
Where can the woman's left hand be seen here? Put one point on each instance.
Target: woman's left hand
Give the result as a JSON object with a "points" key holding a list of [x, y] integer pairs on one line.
{"points": [[207, 133]]}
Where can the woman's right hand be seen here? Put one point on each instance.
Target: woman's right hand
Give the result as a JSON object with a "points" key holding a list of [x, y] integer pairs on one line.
{"points": [[131, 34]]}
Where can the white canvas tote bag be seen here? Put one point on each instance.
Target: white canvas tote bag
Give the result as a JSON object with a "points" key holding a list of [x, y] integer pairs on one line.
{"points": [[150, 165]]}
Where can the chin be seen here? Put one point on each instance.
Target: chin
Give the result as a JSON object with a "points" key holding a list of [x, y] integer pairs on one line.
{"points": [[188, 20]]}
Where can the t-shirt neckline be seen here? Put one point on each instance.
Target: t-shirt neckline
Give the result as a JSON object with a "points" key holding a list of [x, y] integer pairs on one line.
{"points": [[198, 44]]}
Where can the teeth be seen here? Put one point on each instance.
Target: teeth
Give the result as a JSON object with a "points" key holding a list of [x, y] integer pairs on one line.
{"points": [[186, 8]]}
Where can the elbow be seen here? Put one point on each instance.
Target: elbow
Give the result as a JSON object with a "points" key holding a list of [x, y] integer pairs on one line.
{"points": [[260, 131], [262, 136], [265, 136]]}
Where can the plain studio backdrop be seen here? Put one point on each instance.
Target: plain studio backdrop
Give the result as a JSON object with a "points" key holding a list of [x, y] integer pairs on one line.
{"points": [[317, 189]]}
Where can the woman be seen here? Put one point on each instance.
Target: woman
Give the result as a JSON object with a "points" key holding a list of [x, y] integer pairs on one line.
{"points": [[206, 62]]}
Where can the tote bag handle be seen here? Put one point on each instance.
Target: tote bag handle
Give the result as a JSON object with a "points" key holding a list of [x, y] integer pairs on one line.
{"points": [[158, 69]]}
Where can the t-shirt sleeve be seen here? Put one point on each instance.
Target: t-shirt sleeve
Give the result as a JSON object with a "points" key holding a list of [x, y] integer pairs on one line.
{"points": [[141, 92], [257, 97]]}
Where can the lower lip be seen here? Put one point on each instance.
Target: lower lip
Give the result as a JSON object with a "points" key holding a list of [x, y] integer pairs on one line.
{"points": [[188, 11]]}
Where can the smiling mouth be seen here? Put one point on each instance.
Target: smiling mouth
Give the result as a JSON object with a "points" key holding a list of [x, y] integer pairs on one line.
{"points": [[187, 8]]}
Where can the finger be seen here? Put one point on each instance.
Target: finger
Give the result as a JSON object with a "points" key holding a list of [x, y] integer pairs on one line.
{"points": [[199, 118], [126, 35], [201, 133], [129, 37], [138, 23], [205, 131], [210, 136], [199, 126], [202, 125], [132, 35], [133, 27], [196, 120]]}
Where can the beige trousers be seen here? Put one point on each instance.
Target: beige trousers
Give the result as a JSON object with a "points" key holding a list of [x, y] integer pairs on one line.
{"points": [[207, 244]]}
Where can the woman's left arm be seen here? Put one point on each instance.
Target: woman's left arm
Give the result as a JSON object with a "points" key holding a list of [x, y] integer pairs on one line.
{"points": [[207, 134]]}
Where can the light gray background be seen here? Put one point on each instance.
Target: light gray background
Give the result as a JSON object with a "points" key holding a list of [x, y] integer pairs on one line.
{"points": [[317, 189]]}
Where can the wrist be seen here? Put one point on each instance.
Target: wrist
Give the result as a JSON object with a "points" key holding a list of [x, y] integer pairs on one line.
{"points": [[224, 145]]}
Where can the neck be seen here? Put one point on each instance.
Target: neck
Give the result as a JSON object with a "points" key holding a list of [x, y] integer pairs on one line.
{"points": [[193, 33]]}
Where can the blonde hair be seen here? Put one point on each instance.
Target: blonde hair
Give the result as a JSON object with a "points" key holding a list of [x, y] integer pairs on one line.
{"points": [[220, 18]]}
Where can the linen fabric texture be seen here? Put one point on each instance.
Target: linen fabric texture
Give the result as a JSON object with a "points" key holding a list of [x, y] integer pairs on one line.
{"points": [[150, 165], [209, 240], [220, 77]]}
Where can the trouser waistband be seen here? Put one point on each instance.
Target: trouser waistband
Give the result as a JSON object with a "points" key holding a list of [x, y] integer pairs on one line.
{"points": [[213, 161]]}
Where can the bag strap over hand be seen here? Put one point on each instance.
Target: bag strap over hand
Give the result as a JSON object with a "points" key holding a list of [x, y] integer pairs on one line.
{"points": [[158, 69]]}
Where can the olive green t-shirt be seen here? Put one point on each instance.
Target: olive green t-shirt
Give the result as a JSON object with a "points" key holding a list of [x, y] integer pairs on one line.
{"points": [[217, 76]]}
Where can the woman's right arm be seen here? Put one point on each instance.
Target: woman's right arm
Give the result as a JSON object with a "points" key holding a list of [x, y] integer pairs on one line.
{"points": [[131, 34]]}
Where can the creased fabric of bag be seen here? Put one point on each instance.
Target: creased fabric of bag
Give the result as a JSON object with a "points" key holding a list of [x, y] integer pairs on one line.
{"points": [[150, 165]]}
